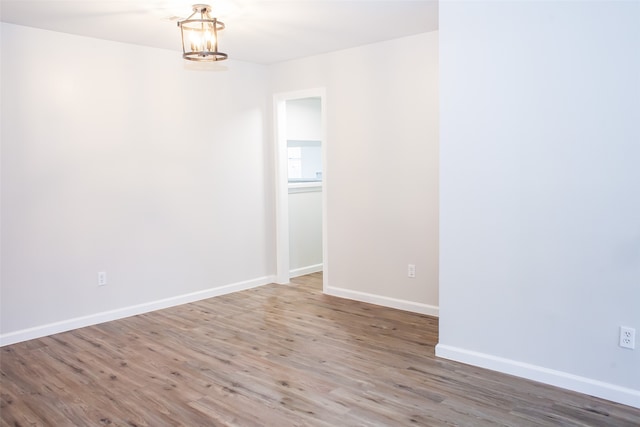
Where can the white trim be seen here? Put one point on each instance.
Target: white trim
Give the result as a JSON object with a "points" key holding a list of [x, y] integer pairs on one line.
{"points": [[305, 270], [119, 313], [282, 191], [325, 179], [415, 307], [305, 184], [612, 392]]}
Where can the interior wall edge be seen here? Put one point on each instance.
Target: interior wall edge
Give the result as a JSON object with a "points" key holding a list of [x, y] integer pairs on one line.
{"points": [[120, 313], [565, 380]]}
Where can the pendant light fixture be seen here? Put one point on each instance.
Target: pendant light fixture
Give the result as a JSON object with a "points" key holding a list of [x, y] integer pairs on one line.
{"points": [[200, 35]]}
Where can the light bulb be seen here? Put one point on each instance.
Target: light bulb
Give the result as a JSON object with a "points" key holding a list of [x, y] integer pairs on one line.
{"points": [[209, 40], [196, 41]]}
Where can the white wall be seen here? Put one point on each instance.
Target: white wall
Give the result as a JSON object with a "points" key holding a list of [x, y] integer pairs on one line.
{"points": [[305, 230], [382, 160], [304, 119], [120, 158], [540, 190]]}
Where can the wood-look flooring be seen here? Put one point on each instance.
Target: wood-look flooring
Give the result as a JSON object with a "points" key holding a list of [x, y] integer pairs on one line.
{"points": [[278, 355]]}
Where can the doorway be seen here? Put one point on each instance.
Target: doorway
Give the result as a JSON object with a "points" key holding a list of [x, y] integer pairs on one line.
{"points": [[301, 184]]}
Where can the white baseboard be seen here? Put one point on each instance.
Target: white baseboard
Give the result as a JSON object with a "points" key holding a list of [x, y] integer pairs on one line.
{"points": [[614, 393], [305, 270], [415, 307], [106, 316]]}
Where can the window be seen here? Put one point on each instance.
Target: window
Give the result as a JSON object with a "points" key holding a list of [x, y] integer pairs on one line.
{"points": [[304, 161], [295, 162]]}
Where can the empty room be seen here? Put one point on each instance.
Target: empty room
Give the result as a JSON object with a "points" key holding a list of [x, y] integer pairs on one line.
{"points": [[320, 213]]}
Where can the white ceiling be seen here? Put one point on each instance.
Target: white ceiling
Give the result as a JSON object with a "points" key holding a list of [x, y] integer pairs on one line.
{"points": [[261, 31]]}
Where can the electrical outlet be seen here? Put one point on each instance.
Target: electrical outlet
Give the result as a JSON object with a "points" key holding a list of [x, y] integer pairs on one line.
{"points": [[102, 278], [627, 337], [411, 270]]}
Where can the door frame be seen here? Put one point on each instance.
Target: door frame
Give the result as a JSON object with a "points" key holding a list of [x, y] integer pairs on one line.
{"points": [[281, 184]]}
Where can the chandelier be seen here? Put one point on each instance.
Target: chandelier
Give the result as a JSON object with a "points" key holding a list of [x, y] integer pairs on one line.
{"points": [[200, 35]]}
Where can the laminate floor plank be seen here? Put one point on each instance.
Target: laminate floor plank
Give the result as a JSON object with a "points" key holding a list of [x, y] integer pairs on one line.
{"points": [[278, 355]]}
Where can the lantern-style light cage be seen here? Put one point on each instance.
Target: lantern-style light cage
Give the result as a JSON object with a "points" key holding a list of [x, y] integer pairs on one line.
{"points": [[200, 35]]}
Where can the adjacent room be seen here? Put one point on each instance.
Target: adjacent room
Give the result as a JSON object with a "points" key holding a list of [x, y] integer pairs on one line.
{"points": [[320, 213]]}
